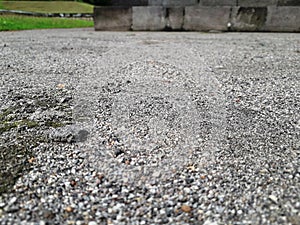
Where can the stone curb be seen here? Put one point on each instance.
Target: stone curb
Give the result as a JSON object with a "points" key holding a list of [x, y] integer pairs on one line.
{"points": [[199, 18], [113, 18]]}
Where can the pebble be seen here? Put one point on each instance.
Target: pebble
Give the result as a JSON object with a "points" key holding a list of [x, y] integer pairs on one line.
{"points": [[12, 200], [92, 223], [69, 209], [273, 198], [209, 222], [186, 208]]}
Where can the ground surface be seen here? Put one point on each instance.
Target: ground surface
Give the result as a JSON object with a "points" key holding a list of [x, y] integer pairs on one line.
{"points": [[149, 128]]}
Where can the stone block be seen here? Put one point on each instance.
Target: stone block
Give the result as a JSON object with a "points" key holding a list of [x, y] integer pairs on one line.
{"points": [[201, 18], [123, 3], [218, 2], [174, 18], [112, 18], [173, 3], [148, 18], [256, 3], [248, 18], [288, 2], [283, 19], [155, 2]]}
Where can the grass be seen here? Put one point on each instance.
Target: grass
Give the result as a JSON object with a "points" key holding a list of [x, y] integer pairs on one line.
{"points": [[47, 6], [14, 22]]}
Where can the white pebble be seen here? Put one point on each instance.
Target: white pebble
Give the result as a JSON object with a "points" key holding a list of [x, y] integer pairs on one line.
{"points": [[92, 223]]}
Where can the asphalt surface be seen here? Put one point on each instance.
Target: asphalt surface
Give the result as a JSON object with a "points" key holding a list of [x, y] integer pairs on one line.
{"points": [[149, 128]]}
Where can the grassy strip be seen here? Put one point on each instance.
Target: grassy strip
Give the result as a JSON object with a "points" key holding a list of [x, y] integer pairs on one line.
{"points": [[13, 22], [47, 6]]}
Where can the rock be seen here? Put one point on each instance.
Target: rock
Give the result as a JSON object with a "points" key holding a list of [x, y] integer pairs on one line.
{"points": [[156, 174], [118, 152], [209, 222], [92, 223], [187, 190], [273, 198], [186, 208], [69, 209], [69, 134]]}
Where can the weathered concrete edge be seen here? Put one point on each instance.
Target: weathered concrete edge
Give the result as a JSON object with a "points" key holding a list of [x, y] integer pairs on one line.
{"points": [[283, 19], [206, 18], [113, 18]]}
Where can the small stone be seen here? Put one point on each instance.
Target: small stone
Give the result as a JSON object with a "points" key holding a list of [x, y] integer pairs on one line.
{"points": [[31, 160], [220, 209], [210, 194], [186, 208], [273, 198], [100, 176], [209, 222], [200, 211], [69, 209], [118, 152], [92, 223], [162, 211], [110, 210], [263, 171], [73, 183], [12, 200], [187, 190], [60, 86], [191, 168], [48, 214], [2, 204], [156, 174]]}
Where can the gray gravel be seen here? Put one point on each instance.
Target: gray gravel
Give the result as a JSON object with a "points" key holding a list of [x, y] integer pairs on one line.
{"points": [[149, 128]]}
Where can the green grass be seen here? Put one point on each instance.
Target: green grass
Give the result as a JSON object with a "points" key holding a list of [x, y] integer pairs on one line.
{"points": [[13, 22], [47, 6]]}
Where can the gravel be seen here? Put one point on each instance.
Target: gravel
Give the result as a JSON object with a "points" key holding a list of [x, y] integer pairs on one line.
{"points": [[149, 128]]}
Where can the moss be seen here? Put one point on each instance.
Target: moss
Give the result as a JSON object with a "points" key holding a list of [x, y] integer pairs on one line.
{"points": [[54, 124], [8, 125], [12, 165], [6, 112], [16, 147]]}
